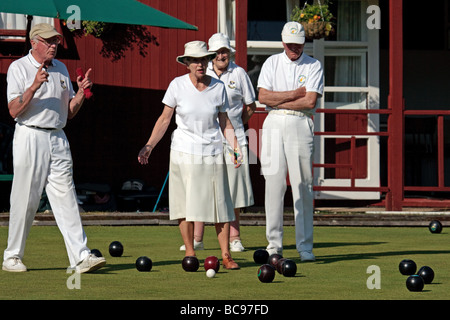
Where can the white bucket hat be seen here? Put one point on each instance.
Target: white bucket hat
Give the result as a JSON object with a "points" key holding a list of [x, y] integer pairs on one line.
{"points": [[293, 32], [218, 41], [195, 49]]}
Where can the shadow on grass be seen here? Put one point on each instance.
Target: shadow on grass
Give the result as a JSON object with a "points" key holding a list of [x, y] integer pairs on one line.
{"points": [[325, 245], [375, 255]]}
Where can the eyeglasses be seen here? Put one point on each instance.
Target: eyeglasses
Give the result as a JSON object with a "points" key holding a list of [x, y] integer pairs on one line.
{"points": [[55, 41]]}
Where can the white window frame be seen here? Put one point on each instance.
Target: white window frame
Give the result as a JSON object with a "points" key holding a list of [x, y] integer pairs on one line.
{"points": [[369, 52]]}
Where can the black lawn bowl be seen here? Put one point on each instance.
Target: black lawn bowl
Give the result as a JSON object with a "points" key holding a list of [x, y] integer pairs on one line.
{"points": [[260, 256], [96, 253], [273, 260], [116, 249], [427, 274], [280, 265], [144, 264], [190, 264], [266, 273], [415, 283], [435, 226], [289, 268], [407, 267]]}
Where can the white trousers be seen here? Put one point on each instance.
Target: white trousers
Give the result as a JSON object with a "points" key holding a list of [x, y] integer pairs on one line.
{"points": [[42, 159], [287, 148]]}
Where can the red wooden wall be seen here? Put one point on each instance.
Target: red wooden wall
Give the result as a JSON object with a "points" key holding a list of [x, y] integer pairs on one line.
{"points": [[109, 131]]}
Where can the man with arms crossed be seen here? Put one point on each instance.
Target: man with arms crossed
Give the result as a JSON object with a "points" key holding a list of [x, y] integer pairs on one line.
{"points": [[289, 85]]}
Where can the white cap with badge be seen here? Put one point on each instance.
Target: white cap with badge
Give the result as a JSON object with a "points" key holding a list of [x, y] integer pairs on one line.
{"points": [[293, 32]]}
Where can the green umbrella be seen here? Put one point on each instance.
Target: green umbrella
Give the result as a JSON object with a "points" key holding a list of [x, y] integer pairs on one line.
{"points": [[113, 11]]}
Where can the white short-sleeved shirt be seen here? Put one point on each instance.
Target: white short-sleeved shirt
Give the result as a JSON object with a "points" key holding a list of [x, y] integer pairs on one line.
{"points": [[198, 130], [240, 91], [49, 106], [279, 73]]}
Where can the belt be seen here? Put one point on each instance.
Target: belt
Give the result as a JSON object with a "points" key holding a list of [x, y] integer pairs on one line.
{"points": [[287, 112], [46, 129]]}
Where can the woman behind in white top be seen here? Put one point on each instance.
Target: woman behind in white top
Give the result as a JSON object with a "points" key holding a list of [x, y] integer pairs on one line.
{"points": [[198, 184]]}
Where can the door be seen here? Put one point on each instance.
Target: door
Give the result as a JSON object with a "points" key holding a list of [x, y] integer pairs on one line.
{"points": [[351, 71]]}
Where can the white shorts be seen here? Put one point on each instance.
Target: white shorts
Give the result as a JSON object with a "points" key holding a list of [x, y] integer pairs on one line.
{"points": [[198, 188]]}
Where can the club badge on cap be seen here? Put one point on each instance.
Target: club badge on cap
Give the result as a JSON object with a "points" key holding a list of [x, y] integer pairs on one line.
{"points": [[293, 32]]}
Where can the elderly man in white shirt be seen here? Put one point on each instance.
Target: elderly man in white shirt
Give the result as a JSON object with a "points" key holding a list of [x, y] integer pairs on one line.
{"points": [[289, 85], [41, 99]]}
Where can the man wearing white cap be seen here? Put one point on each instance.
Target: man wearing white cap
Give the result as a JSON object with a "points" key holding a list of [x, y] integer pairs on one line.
{"points": [[41, 99], [289, 85]]}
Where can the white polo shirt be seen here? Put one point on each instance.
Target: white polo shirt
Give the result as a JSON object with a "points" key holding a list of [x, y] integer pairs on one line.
{"points": [[279, 73], [239, 91], [49, 106], [198, 130]]}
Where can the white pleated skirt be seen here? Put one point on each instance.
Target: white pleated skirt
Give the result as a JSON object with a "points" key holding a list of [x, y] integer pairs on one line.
{"points": [[239, 179], [198, 188]]}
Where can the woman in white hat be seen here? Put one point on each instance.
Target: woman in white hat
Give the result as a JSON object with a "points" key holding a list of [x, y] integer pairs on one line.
{"points": [[198, 184], [240, 93], [241, 97]]}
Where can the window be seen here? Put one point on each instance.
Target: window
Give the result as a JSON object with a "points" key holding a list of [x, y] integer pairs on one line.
{"points": [[18, 22], [263, 24]]}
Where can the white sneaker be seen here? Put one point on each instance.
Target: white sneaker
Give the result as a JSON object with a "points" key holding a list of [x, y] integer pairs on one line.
{"points": [[236, 246], [90, 263], [14, 265], [274, 250], [197, 246], [307, 256]]}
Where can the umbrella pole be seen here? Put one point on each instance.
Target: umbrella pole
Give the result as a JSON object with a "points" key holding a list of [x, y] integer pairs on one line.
{"points": [[160, 193], [27, 36]]}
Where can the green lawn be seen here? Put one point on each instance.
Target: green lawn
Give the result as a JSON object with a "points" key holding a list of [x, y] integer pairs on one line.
{"points": [[340, 272]]}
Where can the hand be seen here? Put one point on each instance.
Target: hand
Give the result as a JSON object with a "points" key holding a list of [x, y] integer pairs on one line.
{"points": [[237, 158], [41, 77], [144, 154], [84, 82], [299, 93]]}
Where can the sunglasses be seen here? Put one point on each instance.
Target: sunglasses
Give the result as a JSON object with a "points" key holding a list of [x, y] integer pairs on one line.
{"points": [[55, 41]]}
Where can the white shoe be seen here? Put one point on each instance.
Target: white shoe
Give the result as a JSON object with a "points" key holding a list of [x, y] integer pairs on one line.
{"points": [[307, 256], [197, 246], [14, 265], [236, 246], [274, 250], [90, 263]]}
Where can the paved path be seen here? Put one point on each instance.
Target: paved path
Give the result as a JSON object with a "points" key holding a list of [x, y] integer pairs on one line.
{"points": [[323, 217]]}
